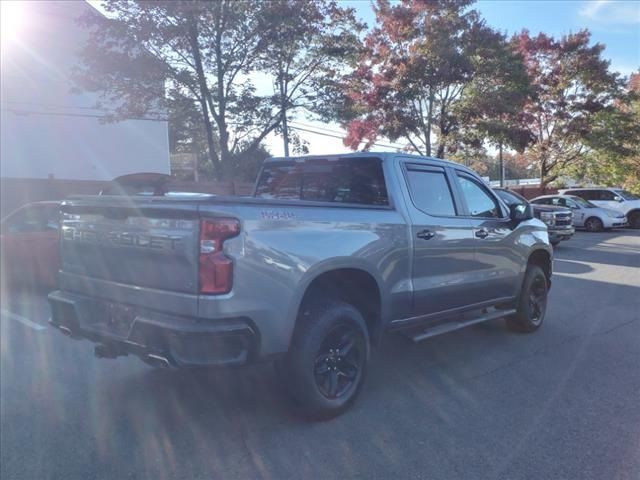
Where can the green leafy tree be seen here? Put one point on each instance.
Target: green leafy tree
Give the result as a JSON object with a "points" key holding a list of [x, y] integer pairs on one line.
{"points": [[613, 156], [572, 87], [418, 65]]}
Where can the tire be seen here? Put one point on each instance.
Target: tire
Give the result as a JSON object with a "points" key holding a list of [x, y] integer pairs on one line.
{"points": [[634, 219], [326, 364], [532, 304], [593, 224]]}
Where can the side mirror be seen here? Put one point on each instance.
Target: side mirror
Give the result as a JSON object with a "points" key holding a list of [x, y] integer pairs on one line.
{"points": [[618, 199], [520, 212]]}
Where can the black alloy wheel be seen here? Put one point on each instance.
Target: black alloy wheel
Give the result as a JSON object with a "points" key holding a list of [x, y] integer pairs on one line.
{"points": [[339, 361]]}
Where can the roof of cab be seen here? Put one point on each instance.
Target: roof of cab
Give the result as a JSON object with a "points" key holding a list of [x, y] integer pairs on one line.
{"points": [[384, 156]]}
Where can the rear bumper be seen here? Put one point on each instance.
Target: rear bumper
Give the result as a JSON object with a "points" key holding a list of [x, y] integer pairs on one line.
{"points": [[181, 341]]}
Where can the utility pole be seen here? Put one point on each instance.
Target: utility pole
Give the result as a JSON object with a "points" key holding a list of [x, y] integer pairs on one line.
{"points": [[501, 164], [285, 132]]}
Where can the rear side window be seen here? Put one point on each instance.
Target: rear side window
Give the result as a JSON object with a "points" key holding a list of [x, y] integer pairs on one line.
{"points": [[359, 181], [430, 192], [605, 195]]}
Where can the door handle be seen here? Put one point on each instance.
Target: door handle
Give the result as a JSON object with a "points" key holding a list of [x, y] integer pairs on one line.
{"points": [[425, 234], [482, 233]]}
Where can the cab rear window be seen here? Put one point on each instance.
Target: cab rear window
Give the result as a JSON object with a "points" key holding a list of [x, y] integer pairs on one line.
{"points": [[353, 180]]}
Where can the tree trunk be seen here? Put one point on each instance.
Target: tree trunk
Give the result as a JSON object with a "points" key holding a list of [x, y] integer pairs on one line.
{"points": [[427, 140], [204, 91], [285, 129]]}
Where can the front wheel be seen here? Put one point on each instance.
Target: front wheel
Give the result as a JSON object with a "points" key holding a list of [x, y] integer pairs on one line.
{"points": [[634, 219], [593, 224], [326, 364], [532, 304]]}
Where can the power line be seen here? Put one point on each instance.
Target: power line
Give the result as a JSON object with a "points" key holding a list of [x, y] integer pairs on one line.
{"points": [[341, 136], [68, 114], [343, 133]]}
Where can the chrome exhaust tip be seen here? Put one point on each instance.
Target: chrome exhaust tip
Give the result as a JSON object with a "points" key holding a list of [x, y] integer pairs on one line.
{"points": [[67, 331], [157, 360]]}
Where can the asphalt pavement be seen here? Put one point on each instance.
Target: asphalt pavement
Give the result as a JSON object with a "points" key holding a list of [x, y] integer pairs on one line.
{"points": [[481, 403]]}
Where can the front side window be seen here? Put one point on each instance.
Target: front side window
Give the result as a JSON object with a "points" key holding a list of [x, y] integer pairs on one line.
{"points": [[430, 192], [479, 202], [606, 196], [559, 202], [586, 194]]}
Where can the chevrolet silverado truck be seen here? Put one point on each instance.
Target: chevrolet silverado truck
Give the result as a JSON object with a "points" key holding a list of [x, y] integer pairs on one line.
{"points": [[327, 255]]}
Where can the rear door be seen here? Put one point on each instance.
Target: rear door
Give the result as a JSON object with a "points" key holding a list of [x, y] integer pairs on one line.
{"points": [[608, 199], [497, 265], [443, 245]]}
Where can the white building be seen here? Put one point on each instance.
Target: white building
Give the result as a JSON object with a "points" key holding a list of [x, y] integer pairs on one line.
{"points": [[45, 130]]}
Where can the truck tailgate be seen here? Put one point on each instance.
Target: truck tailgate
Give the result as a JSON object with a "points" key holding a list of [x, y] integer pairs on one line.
{"points": [[145, 243]]}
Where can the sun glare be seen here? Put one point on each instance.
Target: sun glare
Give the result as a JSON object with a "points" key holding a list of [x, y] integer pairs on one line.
{"points": [[12, 19]]}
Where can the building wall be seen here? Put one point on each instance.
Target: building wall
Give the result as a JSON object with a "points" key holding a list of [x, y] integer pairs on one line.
{"points": [[48, 132]]}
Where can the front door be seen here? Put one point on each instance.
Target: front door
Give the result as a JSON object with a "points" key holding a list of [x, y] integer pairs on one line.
{"points": [[497, 264], [443, 244]]}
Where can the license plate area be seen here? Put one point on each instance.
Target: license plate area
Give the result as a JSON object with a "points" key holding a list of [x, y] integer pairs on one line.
{"points": [[117, 319]]}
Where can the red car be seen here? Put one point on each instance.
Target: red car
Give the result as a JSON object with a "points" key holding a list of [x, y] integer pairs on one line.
{"points": [[29, 245]]}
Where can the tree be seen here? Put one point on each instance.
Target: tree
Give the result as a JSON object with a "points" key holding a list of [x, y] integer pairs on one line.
{"points": [[613, 156], [416, 67], [310, 43], [492, 107], [572, 85], [204, 51]]}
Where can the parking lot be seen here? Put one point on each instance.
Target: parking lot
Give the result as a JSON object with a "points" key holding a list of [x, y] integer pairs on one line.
{"points": [[478, 403]]}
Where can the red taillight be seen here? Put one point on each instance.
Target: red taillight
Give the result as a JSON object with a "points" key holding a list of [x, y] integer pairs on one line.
{"points": [[215, 268]]}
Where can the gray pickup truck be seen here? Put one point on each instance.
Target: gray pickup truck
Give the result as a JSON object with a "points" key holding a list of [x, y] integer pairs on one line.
{"points": [[327, 255]]}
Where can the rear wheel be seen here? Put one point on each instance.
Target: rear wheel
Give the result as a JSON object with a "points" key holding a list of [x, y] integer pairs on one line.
{"points": [[593, 224], [634, 219], [325, 366], [532, 304]]}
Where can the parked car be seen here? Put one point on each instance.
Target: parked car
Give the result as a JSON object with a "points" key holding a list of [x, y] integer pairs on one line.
{"points": [[585, 214], [328, 254], [611, 198], [29, 245], [559, 220]]}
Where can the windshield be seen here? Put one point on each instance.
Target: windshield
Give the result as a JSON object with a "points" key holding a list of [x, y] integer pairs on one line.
{"points": [[627, 195], [582, 202]]}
